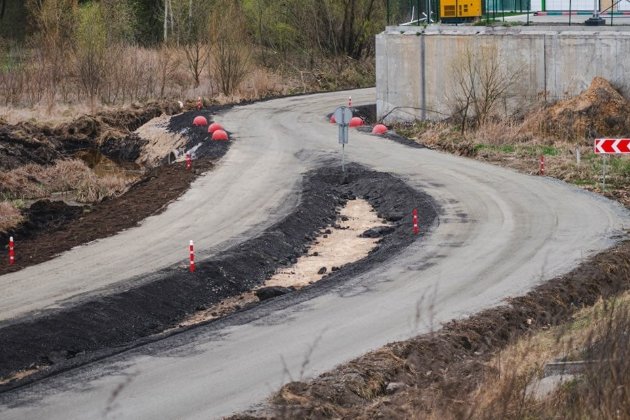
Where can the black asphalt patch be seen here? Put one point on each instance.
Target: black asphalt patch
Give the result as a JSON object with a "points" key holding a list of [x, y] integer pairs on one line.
{"points": [[106, 325]]}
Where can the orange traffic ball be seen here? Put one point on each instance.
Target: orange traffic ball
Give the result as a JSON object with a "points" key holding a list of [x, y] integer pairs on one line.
{"points": [[356, 122], [214, 127], [379, 129], [220, 135], [200, 121]]}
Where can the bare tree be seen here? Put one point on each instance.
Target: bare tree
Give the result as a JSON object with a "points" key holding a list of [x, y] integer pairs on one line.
{"points": [[230, 46], [91, 52], [167, 66], [480, 82], [195, 39], [54, 41]]}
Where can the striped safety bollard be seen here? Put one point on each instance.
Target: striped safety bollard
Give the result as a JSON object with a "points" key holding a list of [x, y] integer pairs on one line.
{"points": [[11, 251], [192, 256], [349, 101], [188, 161], [416, 228], [542, 165]]}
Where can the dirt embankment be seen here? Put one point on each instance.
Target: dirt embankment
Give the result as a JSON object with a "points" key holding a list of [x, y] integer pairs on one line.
{"points": [[110, 132], [599, 111], [72, 336], [421, 376], [52, 227]]}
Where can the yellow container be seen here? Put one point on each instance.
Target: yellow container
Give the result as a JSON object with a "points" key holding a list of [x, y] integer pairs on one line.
{"points": [[460, 9]]}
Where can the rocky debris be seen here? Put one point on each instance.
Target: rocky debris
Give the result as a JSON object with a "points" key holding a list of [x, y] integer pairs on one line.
{"points": [[322, 270], [394, 387], [377, 232], [270, 292]]}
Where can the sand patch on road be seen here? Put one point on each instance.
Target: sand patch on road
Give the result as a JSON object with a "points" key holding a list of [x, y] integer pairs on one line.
{"points": [[21, 375], [333, 248]]}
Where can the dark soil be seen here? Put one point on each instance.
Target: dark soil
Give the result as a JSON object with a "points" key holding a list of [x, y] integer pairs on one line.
{"points": [[182, 124], [107, 324], [434, 371], [54, 228], [110, 132], [51, 228]]}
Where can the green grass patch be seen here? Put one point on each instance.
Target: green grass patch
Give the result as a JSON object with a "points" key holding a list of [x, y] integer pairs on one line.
{"points": [[506, 148]]}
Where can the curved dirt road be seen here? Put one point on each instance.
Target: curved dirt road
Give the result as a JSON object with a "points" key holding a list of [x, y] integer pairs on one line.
{"points": [[499, 234]]}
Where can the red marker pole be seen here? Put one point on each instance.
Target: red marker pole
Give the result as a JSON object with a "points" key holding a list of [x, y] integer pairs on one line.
{"points": [[188, 161], [542, 165], [199, 104], [349, 101], [192, 257], [416, 229], [11, 251]]}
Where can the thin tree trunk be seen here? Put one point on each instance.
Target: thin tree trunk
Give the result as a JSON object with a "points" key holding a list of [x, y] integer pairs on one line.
{"points": [[165, 21]]}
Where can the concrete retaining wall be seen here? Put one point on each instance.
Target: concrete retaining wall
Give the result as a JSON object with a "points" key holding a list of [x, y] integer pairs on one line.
{"points": [[415, 67]]}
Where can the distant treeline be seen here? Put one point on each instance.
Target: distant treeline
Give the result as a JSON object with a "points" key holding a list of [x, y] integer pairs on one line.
{"points": [[331, 26], [114, 51]]}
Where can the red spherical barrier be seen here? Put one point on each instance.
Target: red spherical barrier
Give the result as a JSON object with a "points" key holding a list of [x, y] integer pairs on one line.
{"points": [[356, 122], [333, 120], [379, 129], [214, 127], [220, 135], [200, 121]]}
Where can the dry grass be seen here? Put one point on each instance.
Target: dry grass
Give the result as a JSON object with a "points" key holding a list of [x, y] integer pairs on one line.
{"points": [[37, 181], [508, 143], [144, 74], [10, 216], [599, 334]]}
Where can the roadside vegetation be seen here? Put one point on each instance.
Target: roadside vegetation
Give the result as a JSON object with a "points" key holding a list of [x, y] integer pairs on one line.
{"points": [[60, 59], [112, 52], [562, 132]]}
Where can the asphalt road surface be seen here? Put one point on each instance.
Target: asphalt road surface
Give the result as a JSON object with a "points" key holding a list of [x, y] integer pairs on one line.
{"points": [[500, 234]]}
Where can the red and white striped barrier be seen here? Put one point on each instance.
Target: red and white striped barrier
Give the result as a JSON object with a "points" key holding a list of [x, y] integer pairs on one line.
{"points": [[192, 257], [188, 161], [11, 251], [416, 228], [349, 101], [199, 103], [612, 146], [542, 165]]}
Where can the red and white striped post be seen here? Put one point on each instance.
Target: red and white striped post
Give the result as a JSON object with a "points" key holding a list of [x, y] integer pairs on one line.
{"points": [[192, 256], [199, 103], [416, 229], [349, 101], [11, 251], [542, 165], [188, 161]]}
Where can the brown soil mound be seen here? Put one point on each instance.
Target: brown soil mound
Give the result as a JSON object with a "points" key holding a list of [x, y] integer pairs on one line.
{"points": [[600, 111]]}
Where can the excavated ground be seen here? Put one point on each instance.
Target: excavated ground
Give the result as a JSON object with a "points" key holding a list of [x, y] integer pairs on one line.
{"points": [[67, 337], [52, 227]]}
